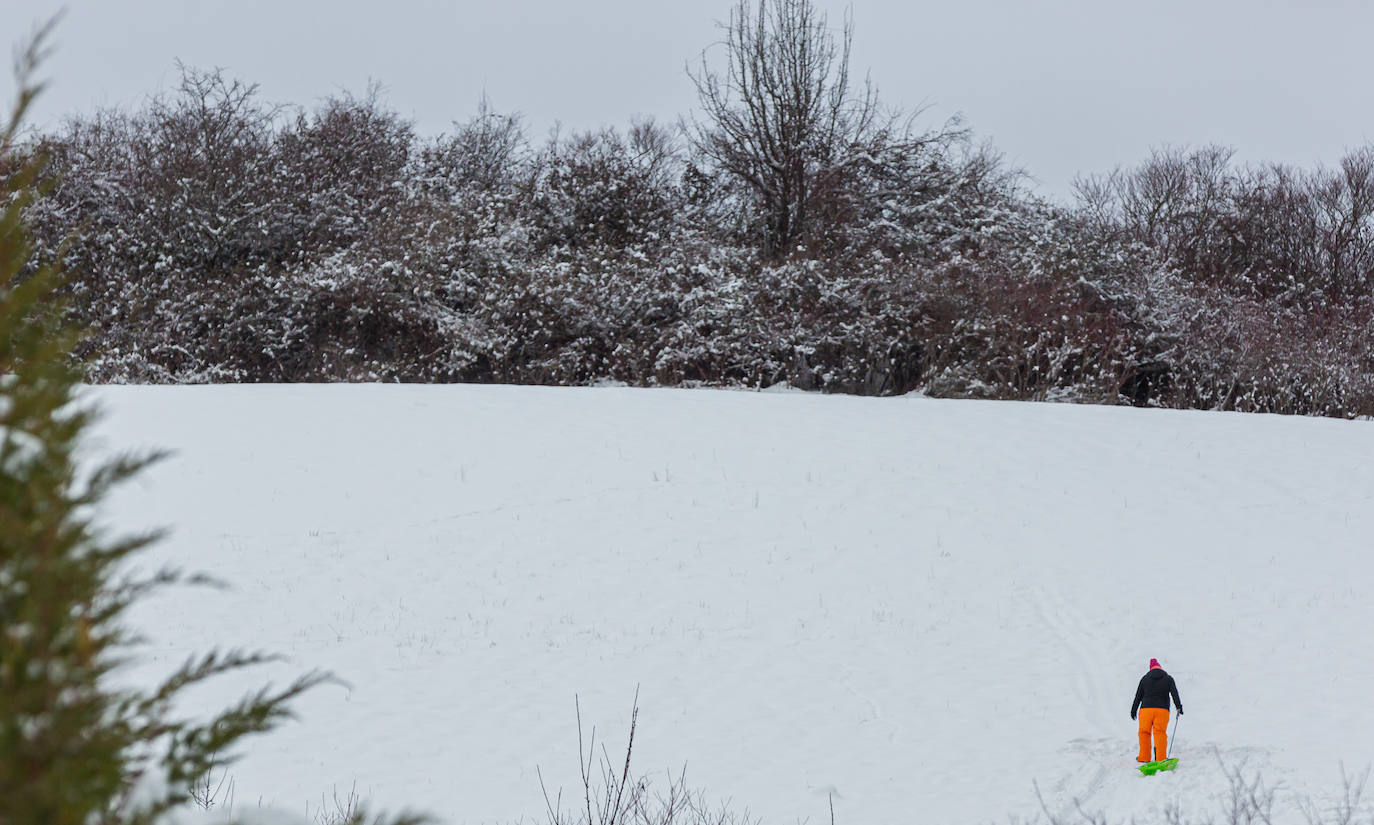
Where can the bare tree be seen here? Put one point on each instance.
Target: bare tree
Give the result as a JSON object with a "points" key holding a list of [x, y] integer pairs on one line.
{"points": [[783, 117]]}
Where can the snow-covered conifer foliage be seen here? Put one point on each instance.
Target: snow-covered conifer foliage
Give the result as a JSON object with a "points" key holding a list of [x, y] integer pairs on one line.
{"points": [[226, 239]]}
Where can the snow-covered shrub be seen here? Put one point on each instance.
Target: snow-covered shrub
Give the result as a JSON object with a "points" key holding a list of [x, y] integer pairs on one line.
{"points": [[603, 189], [198, 176], [223, 241], [487, 153], [1257, 281], [338, 174]]}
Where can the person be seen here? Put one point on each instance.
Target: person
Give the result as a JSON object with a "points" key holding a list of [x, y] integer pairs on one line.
{"points": [[1152, 700]]}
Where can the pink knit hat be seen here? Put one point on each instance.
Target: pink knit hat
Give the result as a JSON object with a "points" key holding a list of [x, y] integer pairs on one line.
{"points": [[1154, 663]]}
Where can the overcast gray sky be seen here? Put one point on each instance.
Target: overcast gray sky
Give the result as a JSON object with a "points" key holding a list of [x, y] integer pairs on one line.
{"points": [[1060, 86]]}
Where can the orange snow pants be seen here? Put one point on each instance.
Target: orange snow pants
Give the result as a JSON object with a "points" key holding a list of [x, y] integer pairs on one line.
{"points": [[1153, 722]]}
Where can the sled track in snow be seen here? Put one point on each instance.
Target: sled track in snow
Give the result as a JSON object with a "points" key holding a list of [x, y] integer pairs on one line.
{"points": [[873, 706], [1068, 627]]}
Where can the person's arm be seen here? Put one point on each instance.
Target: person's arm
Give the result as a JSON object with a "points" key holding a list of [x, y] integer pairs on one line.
{"points": [[1139, 696], [1173, 691]]}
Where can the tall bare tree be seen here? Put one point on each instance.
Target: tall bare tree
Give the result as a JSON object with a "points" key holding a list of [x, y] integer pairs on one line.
{"points": [[783, 117]]}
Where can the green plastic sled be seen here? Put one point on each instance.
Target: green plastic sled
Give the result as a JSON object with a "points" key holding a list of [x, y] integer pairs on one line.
{"points": [[1152, 768]]}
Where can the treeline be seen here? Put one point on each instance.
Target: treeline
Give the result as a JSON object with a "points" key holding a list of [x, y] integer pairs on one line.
{"points": [[793, 231]]}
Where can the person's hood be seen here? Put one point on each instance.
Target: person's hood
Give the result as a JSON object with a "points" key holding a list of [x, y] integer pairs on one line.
{"points": [[1156, 673]]}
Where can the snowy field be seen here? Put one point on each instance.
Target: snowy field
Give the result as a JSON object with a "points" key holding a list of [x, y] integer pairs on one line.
{"points": [[922, 609]]}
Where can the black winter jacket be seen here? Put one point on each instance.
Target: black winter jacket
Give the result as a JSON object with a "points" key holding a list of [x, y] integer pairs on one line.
{"points": [[1155, 689]]}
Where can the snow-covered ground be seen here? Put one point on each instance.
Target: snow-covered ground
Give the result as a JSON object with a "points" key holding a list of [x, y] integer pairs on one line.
{"points": [[925, 609]]}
